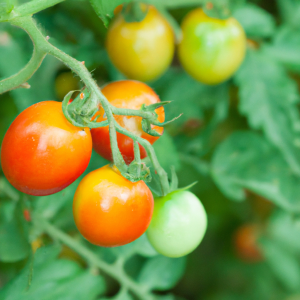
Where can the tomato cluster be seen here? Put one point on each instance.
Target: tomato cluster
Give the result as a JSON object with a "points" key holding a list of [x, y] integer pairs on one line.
{"points": [[211, 49], [42, 153]]}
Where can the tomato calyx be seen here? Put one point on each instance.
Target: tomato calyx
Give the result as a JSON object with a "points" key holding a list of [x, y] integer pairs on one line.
{"points": [[218, 9], [134, 12], [81, 110], [152, 119]]}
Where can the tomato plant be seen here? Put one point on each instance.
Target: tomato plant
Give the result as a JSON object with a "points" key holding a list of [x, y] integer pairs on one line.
{"points": [[109, 210], [42, 153], [239, 140], [126, 94], [178, 224], [211, 49], [141, 50]]}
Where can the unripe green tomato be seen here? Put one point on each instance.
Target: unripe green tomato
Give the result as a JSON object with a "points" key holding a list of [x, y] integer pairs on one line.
{"points": [[141, 50], [178, 224], [211, 49]]}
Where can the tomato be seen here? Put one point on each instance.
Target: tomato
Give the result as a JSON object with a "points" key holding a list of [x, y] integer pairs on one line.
{"points": [[42, 153], [211, 49], [64, 83], [245, 242], [126, 94], [141, 50], [110, 210], [178, 224]]}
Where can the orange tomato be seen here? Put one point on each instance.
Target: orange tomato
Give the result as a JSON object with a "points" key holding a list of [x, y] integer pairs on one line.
{"points": [[42, 153], [110, 210], [245, 241], [126, 94], [141, 50]]}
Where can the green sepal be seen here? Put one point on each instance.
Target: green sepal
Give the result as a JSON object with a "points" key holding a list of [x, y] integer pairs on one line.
{"points": [[146, 126], [133, 12]]}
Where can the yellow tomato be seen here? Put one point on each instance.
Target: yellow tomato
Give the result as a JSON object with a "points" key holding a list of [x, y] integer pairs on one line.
{"points": [[211, 49], [141, 50]]}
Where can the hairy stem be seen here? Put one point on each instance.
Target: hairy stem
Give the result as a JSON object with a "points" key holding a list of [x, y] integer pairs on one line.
{"points": [[116, 271], [41, 42], [43, 46], [163, 176]]}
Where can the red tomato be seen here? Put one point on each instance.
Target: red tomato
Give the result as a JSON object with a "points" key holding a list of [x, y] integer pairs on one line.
{"points": [[110, 210], [126, 94], [245, 241], [42, 153]]}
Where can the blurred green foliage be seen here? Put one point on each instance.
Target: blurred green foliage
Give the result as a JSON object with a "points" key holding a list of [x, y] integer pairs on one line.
{"points": [[240, 140]]}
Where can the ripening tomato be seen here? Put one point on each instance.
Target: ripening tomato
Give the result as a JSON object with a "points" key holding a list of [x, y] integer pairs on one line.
{"points": [[110, 210], [211, 49], [42, 153], [246, 245], [141, 50], [178, 224], [126, 94]]}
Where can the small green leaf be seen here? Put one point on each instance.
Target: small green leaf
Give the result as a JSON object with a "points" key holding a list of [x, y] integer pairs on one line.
{"points": [[105, 9], [162, 273]]}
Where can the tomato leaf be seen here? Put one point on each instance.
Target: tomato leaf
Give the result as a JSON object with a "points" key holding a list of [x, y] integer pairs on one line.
{"points": [[269, 98], [255, 21], [53, 279], [285, 266], [162, 273], [246, 161], [285, 47], [13, 235], [105, 9]]}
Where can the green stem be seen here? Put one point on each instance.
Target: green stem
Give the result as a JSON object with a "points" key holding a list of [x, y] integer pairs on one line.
{"points": [[41, 42], [116, 271], [35, 6], [163, 176], [23, 75]]}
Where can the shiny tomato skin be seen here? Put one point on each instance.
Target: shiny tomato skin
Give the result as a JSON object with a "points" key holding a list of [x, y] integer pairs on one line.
{"points": [[110, 210], [42, 153], [211, 49], [178, 224], [141, 50], [126, 94]]}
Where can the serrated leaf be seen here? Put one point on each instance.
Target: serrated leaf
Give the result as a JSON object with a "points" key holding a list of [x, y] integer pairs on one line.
{"points": [[285, 47], [246, 161], [53, 279], [256, 21], [162, 273], [268, 98]]}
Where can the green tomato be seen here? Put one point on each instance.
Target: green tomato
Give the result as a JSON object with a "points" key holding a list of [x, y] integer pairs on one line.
{"points": [[211, 49], [178, 224]]}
